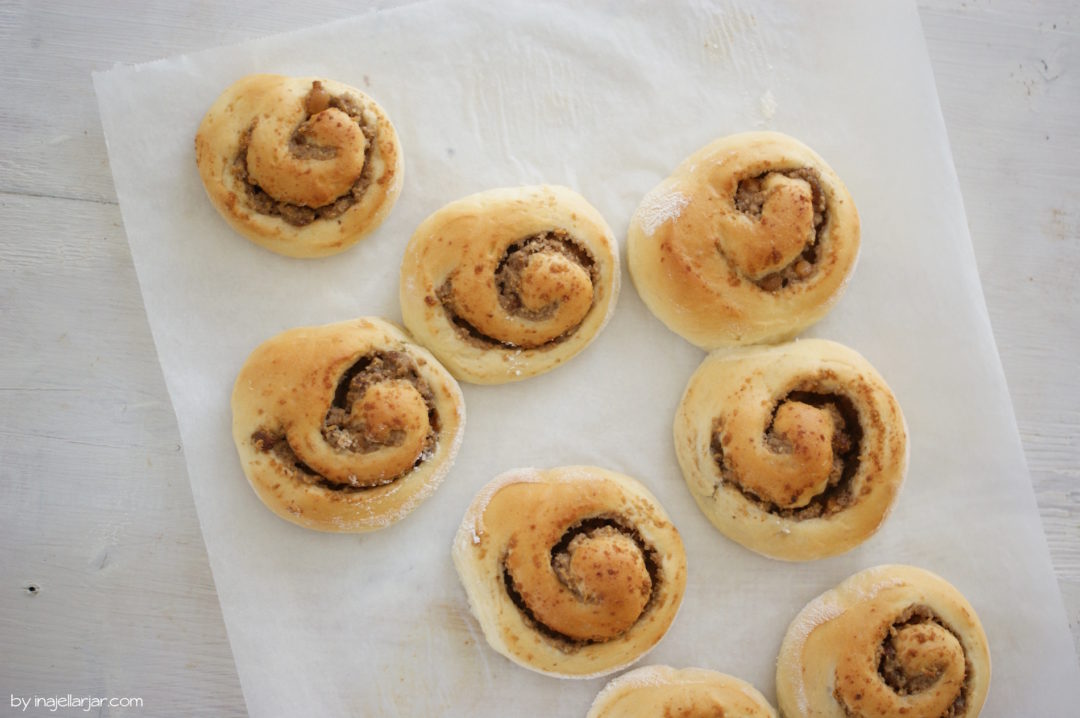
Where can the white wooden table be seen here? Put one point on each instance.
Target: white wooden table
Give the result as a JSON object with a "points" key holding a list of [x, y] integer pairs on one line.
{"points": [[106, 589]]}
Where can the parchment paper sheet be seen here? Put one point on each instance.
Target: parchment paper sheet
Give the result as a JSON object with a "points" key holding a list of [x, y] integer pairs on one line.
{"points": [[606, 98]]}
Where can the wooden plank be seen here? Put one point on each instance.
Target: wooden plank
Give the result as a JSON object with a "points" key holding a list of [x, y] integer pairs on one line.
{"points": [[107, 591]]}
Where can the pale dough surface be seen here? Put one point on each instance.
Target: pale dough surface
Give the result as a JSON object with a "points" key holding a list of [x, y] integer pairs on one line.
{"points": [[653, 691]]}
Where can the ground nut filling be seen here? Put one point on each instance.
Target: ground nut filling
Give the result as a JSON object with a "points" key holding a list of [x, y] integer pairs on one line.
{"points": [[508, 281], [317, 100], [846, 446], [891, 670], [750, 198], [347, 433], [561, 554]]}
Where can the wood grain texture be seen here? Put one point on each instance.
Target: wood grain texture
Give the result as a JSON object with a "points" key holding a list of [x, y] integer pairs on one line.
{"points": [[94, 499], [106, 589]]}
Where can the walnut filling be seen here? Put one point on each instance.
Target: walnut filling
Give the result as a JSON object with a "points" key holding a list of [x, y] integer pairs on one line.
{"points": [[898, 676], [750, 199], [318, 99], [343, 431], [347, 433], [508, 276], [847, 438], [508, 273], [561, 552]]}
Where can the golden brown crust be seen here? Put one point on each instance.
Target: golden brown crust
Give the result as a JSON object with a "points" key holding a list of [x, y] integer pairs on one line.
{"points": [[574, 571], [302, 166], [345, 427], [688, 693], [888, 641], [796, 451], [509, 283], [750, 240]]}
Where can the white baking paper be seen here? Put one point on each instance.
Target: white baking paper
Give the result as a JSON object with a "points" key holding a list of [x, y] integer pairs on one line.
{"points": [[607, 98]]}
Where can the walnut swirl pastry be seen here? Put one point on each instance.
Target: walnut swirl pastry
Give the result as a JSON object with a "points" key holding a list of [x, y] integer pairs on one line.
{"points": [[345, 427], [750, 240], [796, 451], [509, 283], [573, 571], [687, 693], [304, 167], [889, 641]]}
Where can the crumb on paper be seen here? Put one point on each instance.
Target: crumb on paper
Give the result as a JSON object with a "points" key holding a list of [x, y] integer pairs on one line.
{"points": [[767, 105]]}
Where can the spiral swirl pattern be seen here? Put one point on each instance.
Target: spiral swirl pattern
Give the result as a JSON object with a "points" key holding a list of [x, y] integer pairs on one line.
{"points": [[750, 240], [302, 166], [509, 283], [573, 571], [345, 427], [796, 451], [889, 641], [688, 693]]}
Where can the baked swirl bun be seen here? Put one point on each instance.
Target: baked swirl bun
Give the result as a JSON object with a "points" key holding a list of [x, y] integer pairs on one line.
{"points": [[302, 166], [509, 283], [688, 693], [795, 451], [750, 240], [889, 641], [573, 571], [345, 427]]}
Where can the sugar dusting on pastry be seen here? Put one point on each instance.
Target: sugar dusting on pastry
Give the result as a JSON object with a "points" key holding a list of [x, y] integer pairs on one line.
{"points": [[817, 613], [659, 206]]}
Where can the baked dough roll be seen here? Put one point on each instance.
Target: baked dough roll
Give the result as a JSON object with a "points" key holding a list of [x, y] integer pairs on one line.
{"points": [[795, 451], [302, 166], [688, 693], [750, 240], [509, 283], [889, 641], [345, 427], [573, 571]]}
